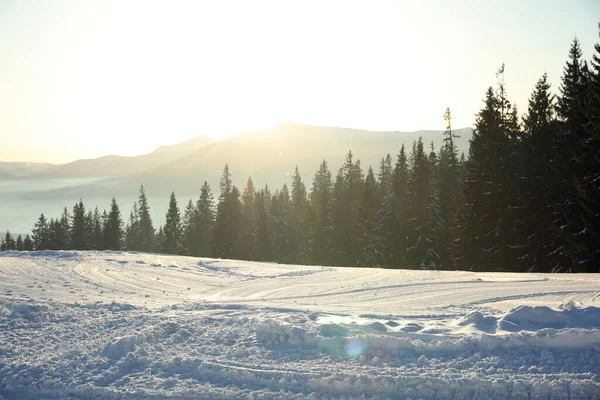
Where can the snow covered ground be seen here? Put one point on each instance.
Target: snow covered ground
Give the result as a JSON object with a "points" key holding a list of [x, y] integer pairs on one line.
{"points": [[90, 325]]}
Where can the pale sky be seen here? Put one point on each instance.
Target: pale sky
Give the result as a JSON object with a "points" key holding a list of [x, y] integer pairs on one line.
{"points": [[82, 79]]}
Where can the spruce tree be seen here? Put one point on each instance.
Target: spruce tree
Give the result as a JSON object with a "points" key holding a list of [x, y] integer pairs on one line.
{"points": [[146, 228], [19, 244], [299, 224], [40, 233], [249, 221], [65, 230], [262, 251], [321, 203], [28, 243], [187, 227], [96, 229], [172, 228], [113, 228], [132, 229], [204, 222], [228, 219], [369, 241], [401, 206], [78, 227]]}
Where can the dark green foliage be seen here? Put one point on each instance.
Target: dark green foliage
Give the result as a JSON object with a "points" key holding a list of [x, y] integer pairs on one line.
{"points": [[227, 229], [172, 229], [40, 233], [145, 240], [113, 228], [79, 235]]}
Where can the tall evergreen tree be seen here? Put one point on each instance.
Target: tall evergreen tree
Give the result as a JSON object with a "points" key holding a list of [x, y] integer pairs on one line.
{"points": [[369, 241], [249, 222], [263, 249], [28, 243], [146, 229], [204, 221], [226, 233], [401, 205], [172, 228], [321, 203], [187, 227], [113, 228], [19, 244], [78, 227], [40, 233], [132, 229], [299, 224]]}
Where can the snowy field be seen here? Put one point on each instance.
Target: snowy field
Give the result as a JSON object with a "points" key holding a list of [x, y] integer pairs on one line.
{"points": [[91, 325]]}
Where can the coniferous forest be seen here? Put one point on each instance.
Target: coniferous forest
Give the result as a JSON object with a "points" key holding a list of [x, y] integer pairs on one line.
{"points": [[525, 198]]}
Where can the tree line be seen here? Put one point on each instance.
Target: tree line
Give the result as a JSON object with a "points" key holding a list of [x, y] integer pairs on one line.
{"points": [[527, 198]]}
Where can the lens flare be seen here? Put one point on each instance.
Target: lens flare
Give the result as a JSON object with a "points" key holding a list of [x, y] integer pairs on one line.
{"points": [[353, 348]]}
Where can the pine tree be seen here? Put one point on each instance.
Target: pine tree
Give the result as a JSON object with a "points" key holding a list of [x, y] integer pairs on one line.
{"points": [[447, 191], [228, 219], [321, 199], [96, 231], [172, 228], [65, 230], [146, 228], [28, 243], [487, 226], [113, 228], [588, 182], [385, 208], [249, 222], [40, 233], [19, 244], [370, 241], [204, 221], [9, 242], [401, 206], [280, 212], [262, 251], [299, 223], [187, 227], [78, 227], [132, 229]]}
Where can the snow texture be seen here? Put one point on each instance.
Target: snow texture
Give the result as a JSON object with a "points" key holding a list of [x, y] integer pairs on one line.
{"points": [[92, 325]]}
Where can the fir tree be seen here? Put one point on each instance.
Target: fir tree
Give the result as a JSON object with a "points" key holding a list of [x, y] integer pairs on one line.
{"points": [[172, 228], [370, 243], [132, 229], [299, 224], [146, 228], [187, 227], [19, 244], [249, 221], [40, 233], [204, 221], [78, 227], [113, 228], [321, 202], [228, 219], [28, 243], [401, 205]]}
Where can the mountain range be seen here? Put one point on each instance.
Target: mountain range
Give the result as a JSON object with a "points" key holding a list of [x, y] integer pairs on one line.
{"points": [[269, 156]]}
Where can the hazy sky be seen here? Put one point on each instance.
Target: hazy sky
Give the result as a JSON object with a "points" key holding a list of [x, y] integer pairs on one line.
{"points": [[88, 78]]}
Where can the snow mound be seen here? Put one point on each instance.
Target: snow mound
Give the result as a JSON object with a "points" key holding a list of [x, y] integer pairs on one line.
{"points": [[540, 317]]}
